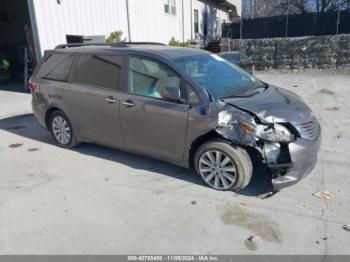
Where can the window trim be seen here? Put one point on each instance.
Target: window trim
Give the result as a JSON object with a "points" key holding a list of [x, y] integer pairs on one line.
{"points": [[195, 12], [170, 6], [187, 85], [183, 95], [205, 24], [121, 78]]}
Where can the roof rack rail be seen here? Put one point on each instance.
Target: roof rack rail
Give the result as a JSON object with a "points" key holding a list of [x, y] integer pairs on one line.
{"points": [[120, 44], [142, 43]]}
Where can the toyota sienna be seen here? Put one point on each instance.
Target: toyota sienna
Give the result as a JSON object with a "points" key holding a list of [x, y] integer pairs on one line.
{"points": [[182, 105]]}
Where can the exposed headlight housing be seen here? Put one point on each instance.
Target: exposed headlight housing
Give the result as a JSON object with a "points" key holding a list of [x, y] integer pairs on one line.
{"points": [[224, 118], [273, 133], [268, 132]]}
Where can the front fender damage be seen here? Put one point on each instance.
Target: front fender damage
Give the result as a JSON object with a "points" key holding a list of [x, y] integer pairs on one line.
{"points": [[235, 130], [275, 156]]}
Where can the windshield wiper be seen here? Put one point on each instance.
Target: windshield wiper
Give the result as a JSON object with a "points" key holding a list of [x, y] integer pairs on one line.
{"points": [[266, 85], [223, 97], [263, 85]]}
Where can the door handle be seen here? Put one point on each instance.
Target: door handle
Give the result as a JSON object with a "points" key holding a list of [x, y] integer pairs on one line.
{"points": [[111, 100], [128, 103]]}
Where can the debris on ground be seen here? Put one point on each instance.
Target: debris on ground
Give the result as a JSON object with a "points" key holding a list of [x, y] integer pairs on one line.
{"points": [[324, 194], [15, 145], [251, 242], [253, 238], [346, 227], [334, 108], [33, 149], [326, 91]]}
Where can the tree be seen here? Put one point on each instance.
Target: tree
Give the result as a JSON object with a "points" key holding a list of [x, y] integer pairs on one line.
{"points": [[265, 8], [313, 6], [295, 6], [260, 8], [115, 37], [174, 42], [331, 5]]}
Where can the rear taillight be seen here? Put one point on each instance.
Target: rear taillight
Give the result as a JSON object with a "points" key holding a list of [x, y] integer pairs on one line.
{"points": [[32, 86]]}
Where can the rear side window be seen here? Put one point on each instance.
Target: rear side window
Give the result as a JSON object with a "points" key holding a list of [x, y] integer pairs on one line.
{"points": [[99, 70], [56, 67]]}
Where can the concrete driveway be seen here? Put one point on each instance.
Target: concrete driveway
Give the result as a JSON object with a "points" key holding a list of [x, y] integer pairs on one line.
{"points": [[96, 200]]}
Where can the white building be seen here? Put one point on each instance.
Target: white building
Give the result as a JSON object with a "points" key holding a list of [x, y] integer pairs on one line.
{"points": [[140, 20]]}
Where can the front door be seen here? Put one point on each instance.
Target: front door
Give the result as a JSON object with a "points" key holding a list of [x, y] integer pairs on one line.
{"points": [[93, 100], [150, 123]]}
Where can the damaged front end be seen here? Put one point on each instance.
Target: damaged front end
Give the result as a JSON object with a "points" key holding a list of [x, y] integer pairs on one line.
{"points": [[280, 146]]}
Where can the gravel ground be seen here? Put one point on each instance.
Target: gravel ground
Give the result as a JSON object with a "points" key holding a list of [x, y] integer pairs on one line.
{"points": [[96, 200]]}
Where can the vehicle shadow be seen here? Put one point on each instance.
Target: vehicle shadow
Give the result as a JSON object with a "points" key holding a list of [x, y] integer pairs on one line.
{"points": [[27, 126]]}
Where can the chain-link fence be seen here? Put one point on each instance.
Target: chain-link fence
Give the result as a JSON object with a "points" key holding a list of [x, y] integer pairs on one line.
{"points": [[308, 24]]}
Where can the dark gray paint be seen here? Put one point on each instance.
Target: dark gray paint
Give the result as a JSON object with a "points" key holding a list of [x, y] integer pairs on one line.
{"points": [[167, 130], [276, 103]]}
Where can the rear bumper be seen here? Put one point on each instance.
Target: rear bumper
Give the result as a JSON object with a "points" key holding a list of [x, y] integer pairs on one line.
{"points": [[303, 154]]}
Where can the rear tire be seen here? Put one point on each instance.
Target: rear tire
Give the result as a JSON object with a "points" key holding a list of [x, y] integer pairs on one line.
{"points": [[223, 166], [62, 130]]}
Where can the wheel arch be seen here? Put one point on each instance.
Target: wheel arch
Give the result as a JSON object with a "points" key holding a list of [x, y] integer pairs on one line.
{"points": [[49, 113], [73, 140], [53, 109], [253, 153], [200, 141]]}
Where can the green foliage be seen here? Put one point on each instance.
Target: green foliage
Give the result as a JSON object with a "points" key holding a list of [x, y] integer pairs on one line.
{"points": [[115, 37], [4, 64], [174, 42]]}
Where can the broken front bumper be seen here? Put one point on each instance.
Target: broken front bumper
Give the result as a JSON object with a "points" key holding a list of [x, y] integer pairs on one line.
{"points": [[303, 154]]}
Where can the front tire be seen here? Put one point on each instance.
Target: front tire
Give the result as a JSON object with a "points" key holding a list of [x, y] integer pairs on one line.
{"points": [[62, 130], [223, 166]]}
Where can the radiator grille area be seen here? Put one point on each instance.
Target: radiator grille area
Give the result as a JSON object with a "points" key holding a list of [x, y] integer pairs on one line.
{"points": [[309, 130]]}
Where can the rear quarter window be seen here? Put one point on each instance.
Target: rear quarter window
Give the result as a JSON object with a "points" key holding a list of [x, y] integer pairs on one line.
{"points": [[56, 67]]}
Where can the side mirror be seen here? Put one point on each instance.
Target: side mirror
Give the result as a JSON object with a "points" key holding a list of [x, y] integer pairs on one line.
{"points": [[171, 93]]}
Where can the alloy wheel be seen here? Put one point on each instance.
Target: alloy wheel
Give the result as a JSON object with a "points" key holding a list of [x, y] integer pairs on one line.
{"points": [[61, 130], [217, 169]]}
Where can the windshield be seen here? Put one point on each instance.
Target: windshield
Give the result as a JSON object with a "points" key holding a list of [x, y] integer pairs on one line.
{"points": [[221, 78]]}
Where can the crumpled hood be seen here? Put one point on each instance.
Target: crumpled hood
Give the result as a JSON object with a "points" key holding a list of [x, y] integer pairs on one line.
{"points": [[276, 105]]}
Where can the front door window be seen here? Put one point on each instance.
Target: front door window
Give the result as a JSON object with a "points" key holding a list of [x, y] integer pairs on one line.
{"points": [[149, 78]]}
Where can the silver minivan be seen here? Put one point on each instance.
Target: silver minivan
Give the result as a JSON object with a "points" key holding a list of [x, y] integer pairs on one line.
{"points": [[182, 105]]}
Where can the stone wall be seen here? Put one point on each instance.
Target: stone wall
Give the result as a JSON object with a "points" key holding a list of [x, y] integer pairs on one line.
{"points": [[321, 52]]}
